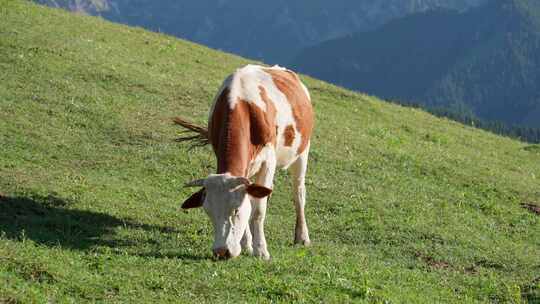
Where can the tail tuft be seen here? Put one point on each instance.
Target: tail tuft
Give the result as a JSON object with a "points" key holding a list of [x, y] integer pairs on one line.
{"points": [[199, 139]]}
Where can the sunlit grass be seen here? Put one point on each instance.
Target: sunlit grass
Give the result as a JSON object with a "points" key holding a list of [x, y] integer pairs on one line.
{"points": [[402, 206]]}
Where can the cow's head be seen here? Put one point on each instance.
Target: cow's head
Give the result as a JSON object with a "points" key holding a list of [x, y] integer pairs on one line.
{"points": [[225, 199]]}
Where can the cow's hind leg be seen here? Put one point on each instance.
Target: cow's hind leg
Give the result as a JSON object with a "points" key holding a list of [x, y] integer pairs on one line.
{"points": [[298, 171], [265, 177]]}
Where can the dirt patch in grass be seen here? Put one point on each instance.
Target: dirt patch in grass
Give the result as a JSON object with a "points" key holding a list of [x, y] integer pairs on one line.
{"points": [[9, 300], [489, 264], [475, 267], [32, 272], [531, 293], [37, 274], [534, 208], [532, 148], [471, 269], [432, 262]]}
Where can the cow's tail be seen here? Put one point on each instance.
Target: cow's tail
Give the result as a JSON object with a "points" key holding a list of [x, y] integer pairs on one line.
{"points": [[199, 139]]}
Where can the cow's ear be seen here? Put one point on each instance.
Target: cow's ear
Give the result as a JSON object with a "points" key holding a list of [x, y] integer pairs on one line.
{"points": [[258, 191], [196, 200]]}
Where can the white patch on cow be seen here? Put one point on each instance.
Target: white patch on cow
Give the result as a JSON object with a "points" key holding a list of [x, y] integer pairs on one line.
{"points": [[285, 156], [277, 67], [264, 155], [245, 86]]}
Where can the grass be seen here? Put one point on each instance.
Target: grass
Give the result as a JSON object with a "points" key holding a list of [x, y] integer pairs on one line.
{"points": [[403, 207]]}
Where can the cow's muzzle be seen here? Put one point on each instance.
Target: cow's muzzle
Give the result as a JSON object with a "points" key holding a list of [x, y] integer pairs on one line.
{"points": [[222, 254]]}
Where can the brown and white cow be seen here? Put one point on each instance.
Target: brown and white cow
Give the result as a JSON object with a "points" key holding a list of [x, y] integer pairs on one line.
{"points": [[261, 119]]}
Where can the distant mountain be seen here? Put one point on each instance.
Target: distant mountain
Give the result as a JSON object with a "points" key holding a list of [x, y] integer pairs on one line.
{"points": [[486, 60], [272, 31]]}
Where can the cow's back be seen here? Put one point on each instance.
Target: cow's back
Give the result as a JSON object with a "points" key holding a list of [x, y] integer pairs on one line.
{"points": [[280, 112]]}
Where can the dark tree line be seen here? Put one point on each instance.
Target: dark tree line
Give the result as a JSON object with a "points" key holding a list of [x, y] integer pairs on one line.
{"points": [[487, 59]]}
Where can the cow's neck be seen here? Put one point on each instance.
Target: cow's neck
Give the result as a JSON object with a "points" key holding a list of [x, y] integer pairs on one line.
{"points": [[230, 136]]}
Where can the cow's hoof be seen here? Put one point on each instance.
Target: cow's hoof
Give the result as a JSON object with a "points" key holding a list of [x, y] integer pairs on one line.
{"points": [[262, 254], [265, 257], [248, 250], [302, 242]]}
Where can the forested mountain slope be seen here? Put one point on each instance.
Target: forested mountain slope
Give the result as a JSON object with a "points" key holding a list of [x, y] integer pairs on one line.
{"points": [[486, 60], [272, 31]]}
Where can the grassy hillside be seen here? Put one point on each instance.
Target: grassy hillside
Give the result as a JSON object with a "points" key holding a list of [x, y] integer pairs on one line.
{"points": [[403, 207]]}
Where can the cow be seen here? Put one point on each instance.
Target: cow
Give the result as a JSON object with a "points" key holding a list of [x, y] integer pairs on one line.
{"points": [[261, 119]]}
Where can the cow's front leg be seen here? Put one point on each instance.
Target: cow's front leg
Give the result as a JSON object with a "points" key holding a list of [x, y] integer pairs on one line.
{"points": [[258, 215], [298, 170], [247, 241], [258, 210]]}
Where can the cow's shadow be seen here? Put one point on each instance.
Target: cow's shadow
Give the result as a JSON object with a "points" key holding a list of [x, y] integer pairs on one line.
{"points": [[49, 220]]}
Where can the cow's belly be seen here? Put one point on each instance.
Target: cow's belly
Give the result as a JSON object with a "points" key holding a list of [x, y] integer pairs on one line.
{"points": [[285, 156], [282, 157], [287, 146]]}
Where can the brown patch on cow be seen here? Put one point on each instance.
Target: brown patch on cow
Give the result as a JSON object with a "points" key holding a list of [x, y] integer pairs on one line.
{"points": [[289, 84], [262, 126], [531, 207], [289, 134], [238, 135], [262, 123], [266, 121], [270, 110], [218, 129]]}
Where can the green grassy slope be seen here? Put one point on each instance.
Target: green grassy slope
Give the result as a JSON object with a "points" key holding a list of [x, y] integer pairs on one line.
{"points": [[402, 206]]}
